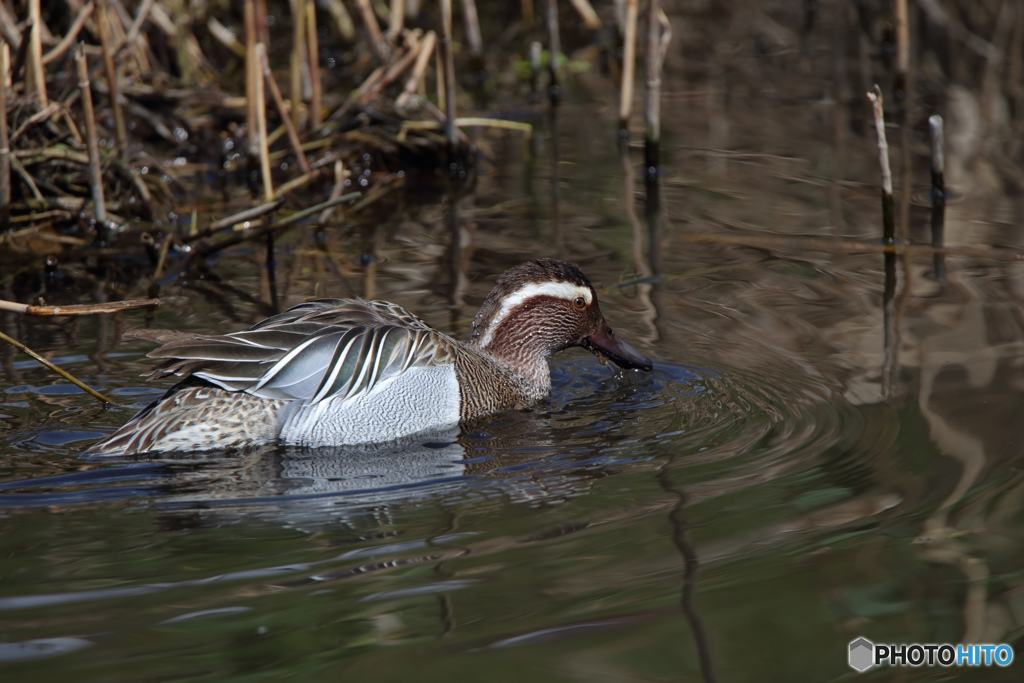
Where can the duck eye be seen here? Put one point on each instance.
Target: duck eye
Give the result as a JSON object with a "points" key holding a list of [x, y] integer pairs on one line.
{"points": [[579, 302]]}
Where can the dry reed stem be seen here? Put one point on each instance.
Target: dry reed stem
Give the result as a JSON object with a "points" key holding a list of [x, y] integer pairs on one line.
{"points": [[35, 77], [235, 219], [9, 27], [587, 13], [289, 125], [376, 39], [140, 19], [63, 373], [467, 122], [527, 8], [20, 170], [473, 37], [294, 183], [397, 69], [261, 124], [297, 59], [342, 19], [628, 65], [113, 86], [449, 73], [888, 217], [69, 37], [397, 19], [95, 166], [336, 190], [225, 36], [79, 309], [5, 143], [902, 38], [251, 124], [316, 102], [426, 49]]}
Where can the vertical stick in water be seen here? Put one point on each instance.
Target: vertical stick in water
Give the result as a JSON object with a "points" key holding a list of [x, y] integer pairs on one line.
{"points": [[95, 172], [888, 217], [555, 49], [902, 53], [938, 195], [448, 63], [659, 33], [5, 144], [628, 67], [535, 54]]}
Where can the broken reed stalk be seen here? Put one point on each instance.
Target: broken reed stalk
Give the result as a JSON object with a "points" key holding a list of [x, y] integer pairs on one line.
{"points": [[888, 217], [296, 60], [250, 75], [938, 195], [658, 36], [120, 129], [35, 78], [422, 60], [628, 67], [397, 19], [448, 63], [338, 188], [473, 36], [261, 124], [376, 39], [316, 102], [95, 166], [79, 309], [5, 144], [587, 13], [289, 124], [554, 49], [63, 373]]}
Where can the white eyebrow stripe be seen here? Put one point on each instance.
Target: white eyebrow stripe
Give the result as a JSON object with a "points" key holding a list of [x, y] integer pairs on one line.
{"points": [[560, 290]]}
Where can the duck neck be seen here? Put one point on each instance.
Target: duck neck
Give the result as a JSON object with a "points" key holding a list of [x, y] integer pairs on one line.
{"points": [[524, 357]]}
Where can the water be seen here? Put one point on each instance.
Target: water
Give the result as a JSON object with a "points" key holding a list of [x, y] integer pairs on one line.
{"points": [[790, 476]]}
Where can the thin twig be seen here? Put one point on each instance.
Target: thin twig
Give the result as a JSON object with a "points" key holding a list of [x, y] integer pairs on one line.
{"points": [[316, 103], [422, 60], [69, 37], [95, 168], [261, 123], [5, 144], [472, 19], [589, 16], [376, 39], [120, 129], [289, 125], [79, 309], [555, 52], [296, 59], [63, 373]]}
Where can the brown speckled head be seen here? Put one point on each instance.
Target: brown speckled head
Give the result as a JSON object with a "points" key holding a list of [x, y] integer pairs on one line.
{"points": [[539, 308]]}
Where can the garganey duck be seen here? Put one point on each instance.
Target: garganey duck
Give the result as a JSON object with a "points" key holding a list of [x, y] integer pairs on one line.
{"points": [[347, 371]]}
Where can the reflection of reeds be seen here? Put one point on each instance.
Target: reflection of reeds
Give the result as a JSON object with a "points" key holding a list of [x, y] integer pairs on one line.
{"points": [[938, 218]]}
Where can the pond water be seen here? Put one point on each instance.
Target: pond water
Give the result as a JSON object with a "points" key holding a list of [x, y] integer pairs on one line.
{"points": [[807, 463]]}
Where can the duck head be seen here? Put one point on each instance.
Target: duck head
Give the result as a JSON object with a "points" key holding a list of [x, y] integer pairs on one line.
{"points": [[539, 308]]}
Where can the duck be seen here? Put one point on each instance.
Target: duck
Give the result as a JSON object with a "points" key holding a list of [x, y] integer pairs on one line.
{"points": [[334, 372]]}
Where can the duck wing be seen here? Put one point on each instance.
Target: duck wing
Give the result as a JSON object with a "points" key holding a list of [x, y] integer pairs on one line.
{"points": [[317, 350]]}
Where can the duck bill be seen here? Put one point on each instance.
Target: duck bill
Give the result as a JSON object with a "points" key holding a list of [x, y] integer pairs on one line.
{"points": [[604, 345]]}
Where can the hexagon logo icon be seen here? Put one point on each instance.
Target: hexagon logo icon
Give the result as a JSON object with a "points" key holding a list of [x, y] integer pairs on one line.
{"points": [[862, 654]]}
